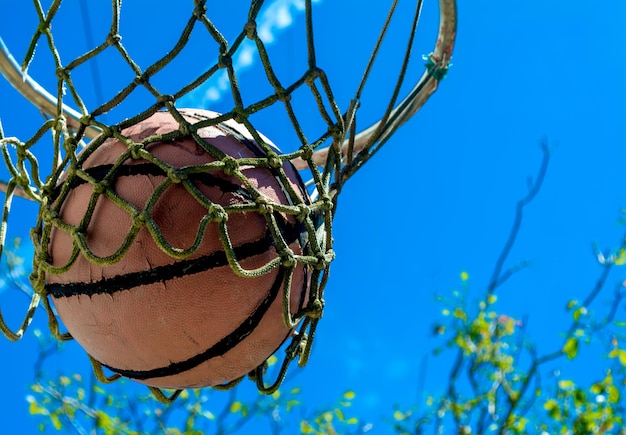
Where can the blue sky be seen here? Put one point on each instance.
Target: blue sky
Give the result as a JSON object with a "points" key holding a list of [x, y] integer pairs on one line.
{"points": [[523, 72]]}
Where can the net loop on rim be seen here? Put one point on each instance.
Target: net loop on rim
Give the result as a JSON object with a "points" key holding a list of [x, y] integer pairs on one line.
{"points": [[328, 160]]}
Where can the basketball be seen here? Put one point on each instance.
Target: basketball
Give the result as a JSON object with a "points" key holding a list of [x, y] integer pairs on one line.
{"points": [[178, 317]]}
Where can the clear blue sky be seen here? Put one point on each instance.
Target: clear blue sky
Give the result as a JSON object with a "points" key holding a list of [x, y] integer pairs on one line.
{"points": [[522, 72]]}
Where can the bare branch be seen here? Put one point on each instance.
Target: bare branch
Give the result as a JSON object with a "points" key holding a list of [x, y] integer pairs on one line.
{"points": [[498, 277]]}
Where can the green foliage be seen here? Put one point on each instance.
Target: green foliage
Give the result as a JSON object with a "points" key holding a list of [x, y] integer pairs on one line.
{"points": [[577, 410], [74, 404], [496, 385], [334, 421]]}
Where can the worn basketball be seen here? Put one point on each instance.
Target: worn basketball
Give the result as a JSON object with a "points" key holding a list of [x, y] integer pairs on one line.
{"points": [[167, 322]]}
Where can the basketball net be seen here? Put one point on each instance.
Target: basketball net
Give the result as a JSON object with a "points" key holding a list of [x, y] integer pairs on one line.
{"points": [[327, 160]]}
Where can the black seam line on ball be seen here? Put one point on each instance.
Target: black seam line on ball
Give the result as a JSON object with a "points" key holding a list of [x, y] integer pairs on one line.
{"points": [[291, 233], [220, 348], [98, 173]]}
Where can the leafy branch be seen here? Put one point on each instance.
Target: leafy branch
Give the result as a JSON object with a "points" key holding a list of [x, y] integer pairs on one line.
{"points": [[495, 380]]}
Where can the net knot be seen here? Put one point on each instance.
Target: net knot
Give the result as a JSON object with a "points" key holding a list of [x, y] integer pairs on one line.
{"points": [[140, 218], [60, 124], [141, 79], [63, 73], [336, 130], [239, 115], [327, 201], [49, 215], [306, 152], [250, 29], [43, 28], [176, 175], [217, 213], [224, 61], [312, 75], [101, 187], [315, 308], [21, 153], [199, 11], [273, 161], [46, 192], [109, 130], [287, 259], [283, 95], [322, 262], [136, 150], [265, 208], [166, 100], [296, 347], [42, 256], [113, 39], [85, 119], [303, 212], [231, 165]]}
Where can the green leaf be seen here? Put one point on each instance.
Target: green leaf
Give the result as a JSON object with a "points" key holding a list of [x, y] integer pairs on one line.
{"points": [[597, 388], [580, 398], [619, 353], [613, 394], [235, 406], [291, 404], [399, 416], [460, 314], [35, 409], [305, 427], [579, 312], [104, 420], [37, 388], [553, 409], [56, 422], [326, 417], [571, 347], [339, 414]]}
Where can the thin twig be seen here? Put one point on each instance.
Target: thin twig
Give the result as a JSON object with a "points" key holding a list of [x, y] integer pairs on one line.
{"points": [[497, 276]]}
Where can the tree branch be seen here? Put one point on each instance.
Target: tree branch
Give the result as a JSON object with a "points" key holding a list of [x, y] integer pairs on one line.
{"points": [[497, 276]]}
